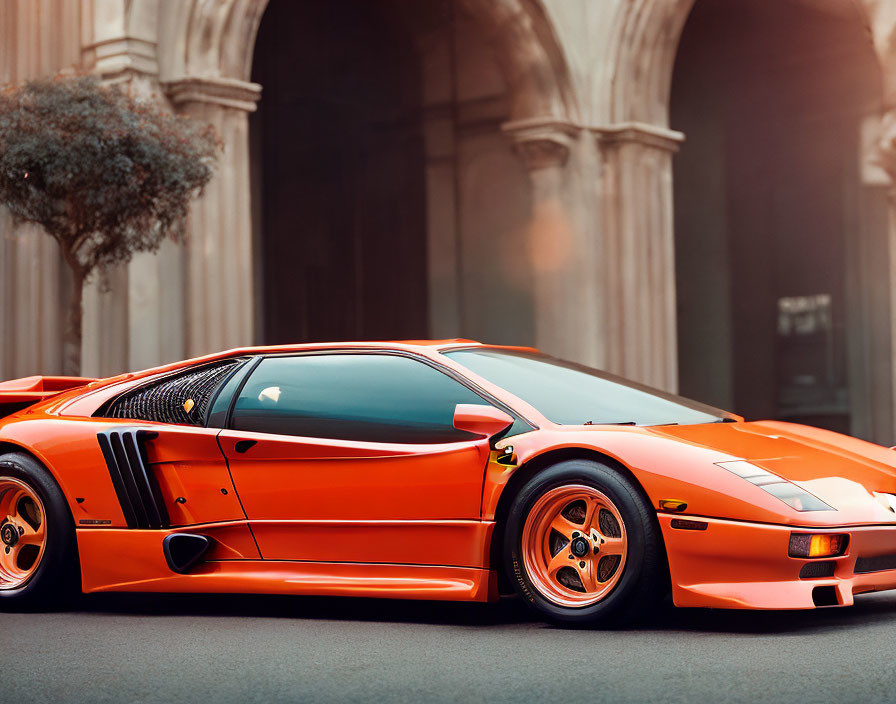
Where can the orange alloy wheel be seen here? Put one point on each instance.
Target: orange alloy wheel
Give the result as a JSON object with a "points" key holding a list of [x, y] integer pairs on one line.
{"points": [[23, 535], [574, 545]]}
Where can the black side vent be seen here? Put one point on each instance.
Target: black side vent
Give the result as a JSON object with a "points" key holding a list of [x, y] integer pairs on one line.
{"points": [[181, 398], [875, 564], [135, 484], [183, 551]]}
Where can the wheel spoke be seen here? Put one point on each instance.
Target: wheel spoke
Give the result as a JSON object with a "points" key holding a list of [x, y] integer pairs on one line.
{"points": [[591, 508], [8, 563], [9, 497], [561, 559], [586, 574], [31, 536], [564, 526], [28, 534], [613, 546]]}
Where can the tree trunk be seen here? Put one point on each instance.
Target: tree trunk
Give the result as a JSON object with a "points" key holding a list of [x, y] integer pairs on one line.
{"points": [[71, 342]]}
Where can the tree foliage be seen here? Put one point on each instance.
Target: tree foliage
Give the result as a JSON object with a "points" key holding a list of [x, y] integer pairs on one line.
{"points": [[105, 173]]}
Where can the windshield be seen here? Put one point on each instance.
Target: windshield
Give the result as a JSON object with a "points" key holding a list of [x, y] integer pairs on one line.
{"points": [[572, 394]]}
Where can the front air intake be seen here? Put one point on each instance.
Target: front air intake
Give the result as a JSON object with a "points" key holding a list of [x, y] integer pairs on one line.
{"points": [[135, 485], [817, 570], [878, 563], [825, 596]]}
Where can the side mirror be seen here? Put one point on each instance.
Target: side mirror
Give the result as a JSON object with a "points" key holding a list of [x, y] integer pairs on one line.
{"points": [[484, 421]]}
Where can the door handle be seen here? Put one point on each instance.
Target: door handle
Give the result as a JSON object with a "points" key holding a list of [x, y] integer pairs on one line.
{"points": [[244, 445]]}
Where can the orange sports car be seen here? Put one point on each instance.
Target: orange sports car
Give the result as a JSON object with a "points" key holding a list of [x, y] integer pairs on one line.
{"points": [[429, 470]]}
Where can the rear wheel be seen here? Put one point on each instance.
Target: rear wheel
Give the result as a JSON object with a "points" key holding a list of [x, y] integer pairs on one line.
{"points": [[582, 546], [37, 542]]}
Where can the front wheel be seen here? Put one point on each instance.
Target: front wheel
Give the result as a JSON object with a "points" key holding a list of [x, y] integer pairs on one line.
{"points": [[582, 546]]}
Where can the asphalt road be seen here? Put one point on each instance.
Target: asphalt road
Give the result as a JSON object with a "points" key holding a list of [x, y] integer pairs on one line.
{"points": [[216, 650]]}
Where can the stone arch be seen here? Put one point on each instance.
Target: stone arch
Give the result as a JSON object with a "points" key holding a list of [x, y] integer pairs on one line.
{"points": [[645, 43], [642, 54], [216, 40], [209, 39], [529, 55]]}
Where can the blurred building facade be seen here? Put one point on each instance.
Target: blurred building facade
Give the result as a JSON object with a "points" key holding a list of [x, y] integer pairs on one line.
{"points": [[691, 193]]}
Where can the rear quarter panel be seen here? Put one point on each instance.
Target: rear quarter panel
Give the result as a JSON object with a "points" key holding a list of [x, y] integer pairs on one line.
{"points": [[68, 448]]}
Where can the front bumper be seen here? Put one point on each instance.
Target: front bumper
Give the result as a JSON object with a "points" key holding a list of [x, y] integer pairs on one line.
{"points": [[741, 565]]}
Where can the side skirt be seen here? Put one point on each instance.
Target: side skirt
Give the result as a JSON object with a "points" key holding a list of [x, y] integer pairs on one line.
{"points": [[133, 561]]}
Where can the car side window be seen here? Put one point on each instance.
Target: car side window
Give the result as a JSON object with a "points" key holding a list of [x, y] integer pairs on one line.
{"points": [[362, 397]]}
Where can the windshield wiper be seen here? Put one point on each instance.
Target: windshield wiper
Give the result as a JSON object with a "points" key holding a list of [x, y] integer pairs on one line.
{"points": [[615, 422]]}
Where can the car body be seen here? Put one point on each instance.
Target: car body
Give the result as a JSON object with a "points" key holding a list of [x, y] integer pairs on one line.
{"points": [[200, 477]]}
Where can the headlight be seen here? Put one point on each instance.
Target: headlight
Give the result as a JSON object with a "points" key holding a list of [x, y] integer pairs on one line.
{"points": [[788, 492], [888, 501]]}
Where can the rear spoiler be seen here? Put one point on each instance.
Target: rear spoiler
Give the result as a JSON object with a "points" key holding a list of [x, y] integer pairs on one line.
{"points": [[20, 393]]}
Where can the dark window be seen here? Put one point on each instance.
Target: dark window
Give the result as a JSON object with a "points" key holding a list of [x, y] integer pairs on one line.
{"points": [[364, 397], [572, 394], [181, 398], [224, 397]]}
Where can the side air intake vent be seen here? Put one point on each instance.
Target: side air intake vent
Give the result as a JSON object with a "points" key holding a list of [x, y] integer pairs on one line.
{"points": [[135, 484], [181, 398], [183, 551]]}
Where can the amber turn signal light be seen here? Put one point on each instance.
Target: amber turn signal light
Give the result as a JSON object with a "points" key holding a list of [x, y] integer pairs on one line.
{"points": [[818, 545], [673, 505]]}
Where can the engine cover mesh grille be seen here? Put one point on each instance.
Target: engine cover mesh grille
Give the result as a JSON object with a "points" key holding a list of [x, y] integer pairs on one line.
{"points": [[166, 401]]}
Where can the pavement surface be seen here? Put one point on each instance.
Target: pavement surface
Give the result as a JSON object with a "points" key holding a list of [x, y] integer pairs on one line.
{"points": [[216, 649]]}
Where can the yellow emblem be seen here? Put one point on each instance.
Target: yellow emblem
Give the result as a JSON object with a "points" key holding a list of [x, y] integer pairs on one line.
{"points": [[188, 405]]}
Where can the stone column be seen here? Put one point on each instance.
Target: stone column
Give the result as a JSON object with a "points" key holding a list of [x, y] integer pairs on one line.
{"points": [[123, 325], [567, 315], [219, 288], [31, 287], [638, 263], [886, 159]]}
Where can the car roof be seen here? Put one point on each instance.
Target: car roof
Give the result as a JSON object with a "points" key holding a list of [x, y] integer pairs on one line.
{"points": [[420, 346], [342, 344], [407, 345]]}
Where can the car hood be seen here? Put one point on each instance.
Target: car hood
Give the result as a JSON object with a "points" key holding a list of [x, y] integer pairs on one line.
{"points": [[844, 472]]}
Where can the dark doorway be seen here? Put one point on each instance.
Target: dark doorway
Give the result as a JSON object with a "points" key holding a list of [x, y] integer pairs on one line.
{"points": [[338, 162], [781, 246]]}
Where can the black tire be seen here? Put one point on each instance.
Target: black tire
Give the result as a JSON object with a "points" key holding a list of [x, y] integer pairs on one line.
{"points": [[644, 580], [56, 579]]}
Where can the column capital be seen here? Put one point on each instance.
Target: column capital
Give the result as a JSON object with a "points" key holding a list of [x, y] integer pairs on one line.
{"points": [[542, 142], [226, 92], [638, 133], [121, 58]]}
